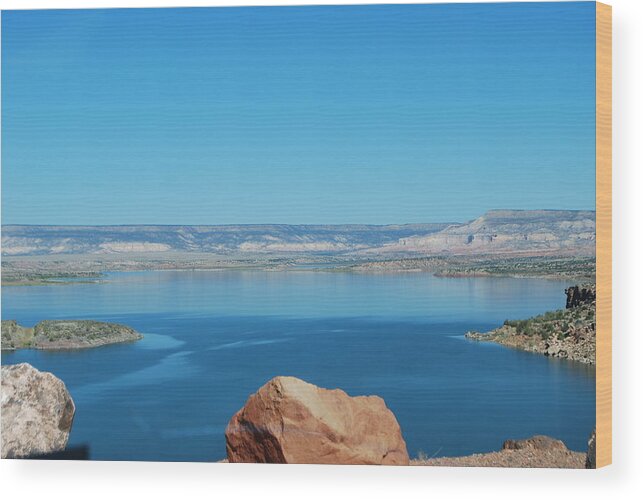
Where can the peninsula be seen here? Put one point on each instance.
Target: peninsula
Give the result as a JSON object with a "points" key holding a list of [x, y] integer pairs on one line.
{"points": [[568, 333]]}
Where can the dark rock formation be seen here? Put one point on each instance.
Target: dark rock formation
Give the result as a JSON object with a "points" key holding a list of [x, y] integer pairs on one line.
{"points": [[577, 296], [291, 421], [37, 412]]}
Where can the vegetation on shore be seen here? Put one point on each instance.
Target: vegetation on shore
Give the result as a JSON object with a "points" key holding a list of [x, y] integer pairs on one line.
{"points": [[24, 273], [564, 268], [31, 278]]}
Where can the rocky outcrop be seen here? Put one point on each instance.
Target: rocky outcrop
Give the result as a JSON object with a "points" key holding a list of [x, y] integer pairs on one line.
{"points": [[65, 334], [535, 443], [537, 451], [580, 295], [37, 412], [291, 421], [590, 461]]}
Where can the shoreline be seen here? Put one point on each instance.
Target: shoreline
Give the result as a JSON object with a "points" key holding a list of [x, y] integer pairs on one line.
{"points": [[89, 269]]}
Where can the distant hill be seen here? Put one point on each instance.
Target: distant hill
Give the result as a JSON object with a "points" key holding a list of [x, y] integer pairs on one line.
{"points": [[528, 232], [271, 238], [536, 232]]}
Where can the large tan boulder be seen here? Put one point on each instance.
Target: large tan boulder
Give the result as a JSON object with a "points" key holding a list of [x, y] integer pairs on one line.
{"points": [[37, 412], [291, 421]]}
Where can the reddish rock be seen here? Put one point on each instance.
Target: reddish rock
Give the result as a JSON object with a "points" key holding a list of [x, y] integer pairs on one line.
{"points": [[291, 421]]}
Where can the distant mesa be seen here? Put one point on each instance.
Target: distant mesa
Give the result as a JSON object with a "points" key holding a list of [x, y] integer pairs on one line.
{"points": [[65, 334], [37, 412], [521, 232], [224, 239], [291, 421]]}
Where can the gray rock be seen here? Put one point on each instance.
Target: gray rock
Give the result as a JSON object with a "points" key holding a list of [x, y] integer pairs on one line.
{"points": [[37, 412], [535, 443], [590, 463]]}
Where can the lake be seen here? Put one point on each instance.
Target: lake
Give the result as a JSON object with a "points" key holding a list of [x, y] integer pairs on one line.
{"points": [[213, 338]]}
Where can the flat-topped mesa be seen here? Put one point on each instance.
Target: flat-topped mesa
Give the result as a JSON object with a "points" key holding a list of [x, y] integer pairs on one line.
{"points": [[503, 232], [506, 232], [65, 334]]}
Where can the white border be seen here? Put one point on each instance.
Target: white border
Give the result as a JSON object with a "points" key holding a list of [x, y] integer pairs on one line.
{"points": [[115, 480]]}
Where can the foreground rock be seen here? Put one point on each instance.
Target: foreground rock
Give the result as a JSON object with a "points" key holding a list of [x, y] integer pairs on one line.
{"points": [[65, 334], [568, 333], [37, 412], [537, 451], [291, 421]]}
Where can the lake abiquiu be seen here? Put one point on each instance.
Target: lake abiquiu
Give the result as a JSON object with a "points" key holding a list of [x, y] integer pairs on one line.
{"points": [[213, 338]]}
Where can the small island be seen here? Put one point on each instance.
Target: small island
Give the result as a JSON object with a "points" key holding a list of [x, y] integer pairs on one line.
{"points": [[65, 334], [568, 333]]}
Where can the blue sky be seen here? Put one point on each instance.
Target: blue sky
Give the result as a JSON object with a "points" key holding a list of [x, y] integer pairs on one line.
{"points": [[363, 114]]}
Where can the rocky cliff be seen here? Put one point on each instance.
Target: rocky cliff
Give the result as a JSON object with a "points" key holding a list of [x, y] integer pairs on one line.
{"points": [[580, 295]]}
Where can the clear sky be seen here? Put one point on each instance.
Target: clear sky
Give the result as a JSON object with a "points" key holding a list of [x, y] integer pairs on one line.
{"points": [[369, 114]]}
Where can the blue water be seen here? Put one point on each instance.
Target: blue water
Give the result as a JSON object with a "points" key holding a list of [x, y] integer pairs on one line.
{"points": [[213, 338]]}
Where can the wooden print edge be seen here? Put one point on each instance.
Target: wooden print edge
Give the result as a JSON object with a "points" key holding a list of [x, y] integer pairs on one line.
{"points": [[603, 234]]}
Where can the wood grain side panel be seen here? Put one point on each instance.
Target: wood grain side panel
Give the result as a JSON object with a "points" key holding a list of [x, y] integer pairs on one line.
{"points": [[603, 234]]}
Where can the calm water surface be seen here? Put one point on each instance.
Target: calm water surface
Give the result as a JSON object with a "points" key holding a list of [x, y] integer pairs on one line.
{"points": [[213, 338]]}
